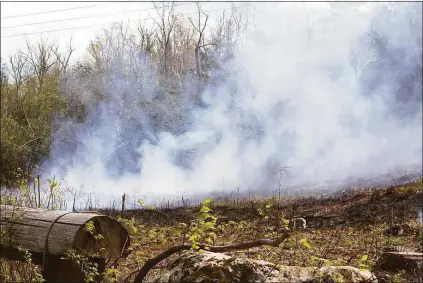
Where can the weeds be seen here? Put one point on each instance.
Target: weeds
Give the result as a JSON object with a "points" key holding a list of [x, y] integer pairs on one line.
{"points": [[355, 243], [203, 229]]}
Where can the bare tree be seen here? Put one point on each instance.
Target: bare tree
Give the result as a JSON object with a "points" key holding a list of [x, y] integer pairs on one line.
{"points": [[121, 40], [229, 30], [109, 49], [147, 37], [200, 28], [4, 93], [3, 73], [183, 48], [18, 64], [165, 25], [63, 58], [41, 58], [19, 73], [76, 194], [94, 50]]}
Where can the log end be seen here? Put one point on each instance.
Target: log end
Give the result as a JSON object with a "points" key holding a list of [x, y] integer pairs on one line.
{"points": [[103, 235]]}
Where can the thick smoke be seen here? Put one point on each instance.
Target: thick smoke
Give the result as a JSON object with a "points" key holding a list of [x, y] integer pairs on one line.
{"points": [[329, 91]]}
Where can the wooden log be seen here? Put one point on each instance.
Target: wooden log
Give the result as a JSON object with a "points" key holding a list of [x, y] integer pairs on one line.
{"points": [[28, 228]]}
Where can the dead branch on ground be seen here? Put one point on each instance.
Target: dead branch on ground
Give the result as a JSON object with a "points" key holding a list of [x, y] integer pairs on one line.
{"points": [[149, 264]]}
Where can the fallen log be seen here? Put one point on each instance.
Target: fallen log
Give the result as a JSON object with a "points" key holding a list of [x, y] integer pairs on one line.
{"points": [[48, 235]]}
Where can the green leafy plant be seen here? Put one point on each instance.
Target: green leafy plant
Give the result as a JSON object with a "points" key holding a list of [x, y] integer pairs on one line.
{"points": [[397, 277], [85, 264], [90, 228], [284, 223], [35, 275], [202, 230], [111, 275], [130, 225], [364, 262], [304, 242]]}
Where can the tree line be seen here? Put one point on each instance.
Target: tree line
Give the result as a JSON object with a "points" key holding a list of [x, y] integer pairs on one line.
{"points": [[158, 65]]}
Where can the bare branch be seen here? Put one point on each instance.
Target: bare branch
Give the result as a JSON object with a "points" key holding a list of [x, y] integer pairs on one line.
{"points": [[18, 65], [200, 29], [41, 59], [63, 59], [147, 40], [165, 24], [149, 264]]}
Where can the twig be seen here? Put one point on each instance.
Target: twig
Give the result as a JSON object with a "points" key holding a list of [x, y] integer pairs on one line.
{"points": [[29, 141], [122, 255], [332, 245], [149, 264]]}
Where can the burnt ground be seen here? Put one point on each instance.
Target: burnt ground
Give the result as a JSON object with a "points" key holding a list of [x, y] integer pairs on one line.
{"points": [[353, 208], [341, 228]]}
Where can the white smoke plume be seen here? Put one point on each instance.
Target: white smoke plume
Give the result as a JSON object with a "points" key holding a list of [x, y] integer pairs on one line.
{"points": [[329, 90]]}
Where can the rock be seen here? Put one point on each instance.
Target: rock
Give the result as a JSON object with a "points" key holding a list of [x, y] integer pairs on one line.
{"points": [[326, 274], [395, 261], [347, 273], [297, 274], [216, 267]]}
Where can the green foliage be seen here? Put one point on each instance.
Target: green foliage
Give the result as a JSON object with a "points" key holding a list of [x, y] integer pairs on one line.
{"points": [[55, 196], [142, 204], [29, 272], [111, 275], [397, 277], [26, 125], [416, 186], [43, 89], [202, 230], [394, 241], [285, 223], [87, 266], [305, 243], [37, 277], [263, 211], [364, 262], [338, 277], [89, 227], [311, 247], [130, 225]]}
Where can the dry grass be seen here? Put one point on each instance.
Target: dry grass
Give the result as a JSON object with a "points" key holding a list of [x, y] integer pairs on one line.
{"points": [[341, 229]]}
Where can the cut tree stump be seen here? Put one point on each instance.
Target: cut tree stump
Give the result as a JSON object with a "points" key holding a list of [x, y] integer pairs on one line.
{"points": [[59, 231]]}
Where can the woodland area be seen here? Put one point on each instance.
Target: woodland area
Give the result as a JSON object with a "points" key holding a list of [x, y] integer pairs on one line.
{"points": [[43, 95], [150, 81]]}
